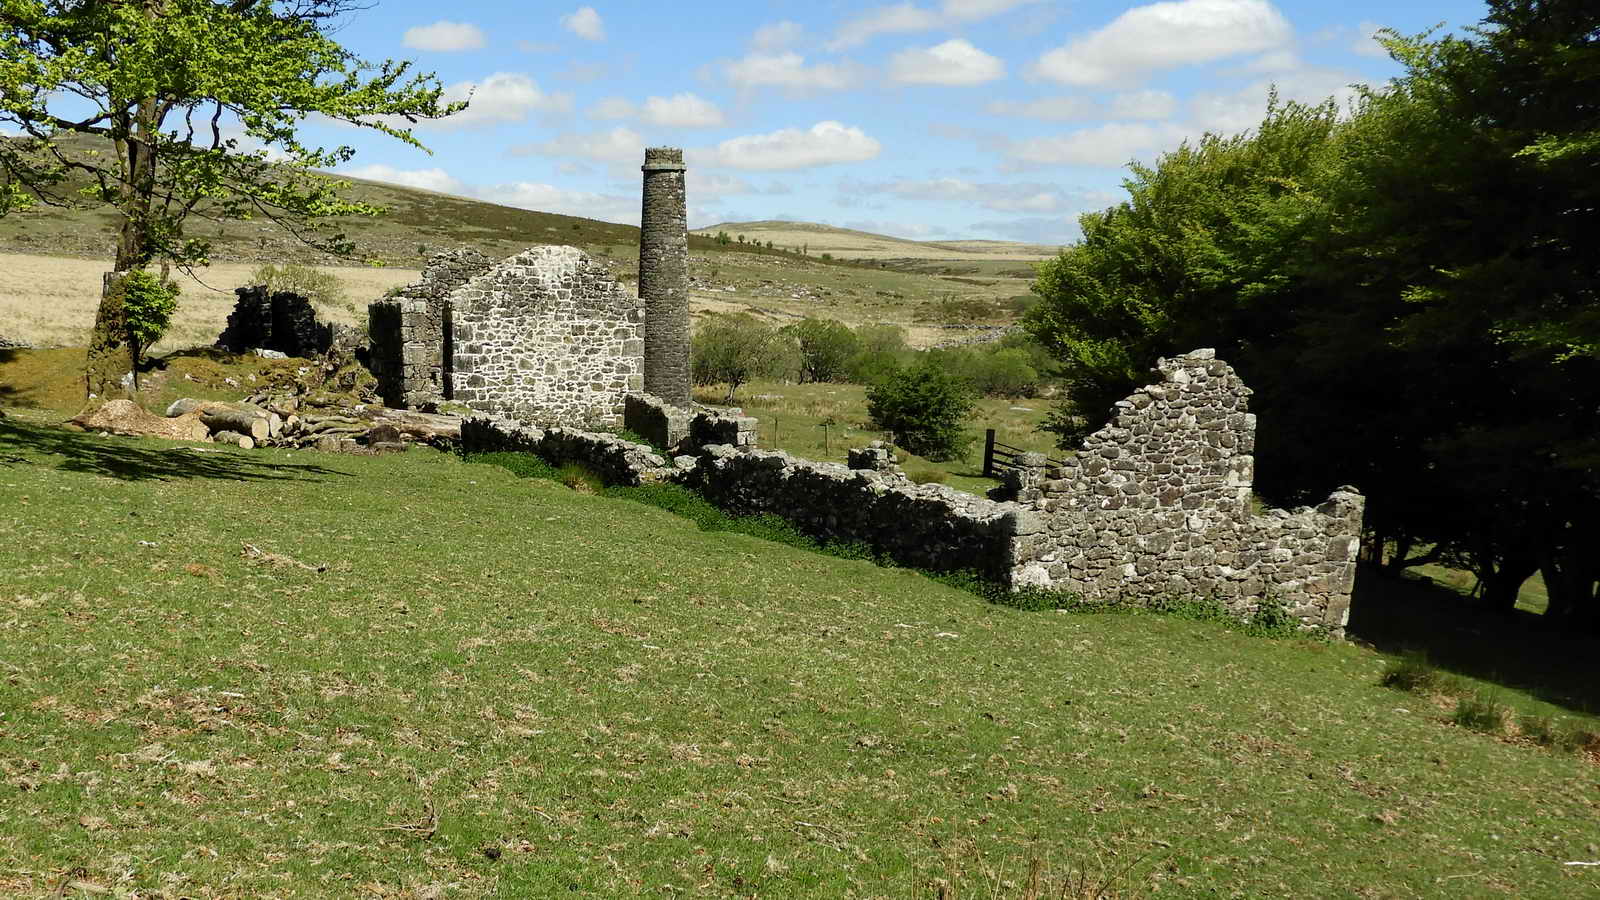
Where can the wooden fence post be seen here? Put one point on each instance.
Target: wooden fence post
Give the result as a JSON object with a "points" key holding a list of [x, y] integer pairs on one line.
{"points": [[988, 453]]}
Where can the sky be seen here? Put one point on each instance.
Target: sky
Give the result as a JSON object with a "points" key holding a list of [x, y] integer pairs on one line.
{"points": [[930, 119]]}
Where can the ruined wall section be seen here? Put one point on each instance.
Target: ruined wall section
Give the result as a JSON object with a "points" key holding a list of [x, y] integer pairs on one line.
{"points": [[928, 526], [1157, 504], [411, 332], [547, 336]]}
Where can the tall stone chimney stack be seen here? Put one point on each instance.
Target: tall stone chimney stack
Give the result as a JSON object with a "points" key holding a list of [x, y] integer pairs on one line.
{"points": [[664, 276]]}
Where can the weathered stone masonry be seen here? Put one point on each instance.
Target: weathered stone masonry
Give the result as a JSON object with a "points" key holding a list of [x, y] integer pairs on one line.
{"points": [[549, 336], [664, 275], [412, 344], [1157, 504]]}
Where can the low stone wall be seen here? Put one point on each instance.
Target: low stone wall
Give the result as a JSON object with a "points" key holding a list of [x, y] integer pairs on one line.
{"points": [[927, 526], [1155, 506], [615, 460]]}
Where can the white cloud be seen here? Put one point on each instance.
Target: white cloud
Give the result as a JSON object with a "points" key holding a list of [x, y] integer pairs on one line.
{"points": [[909, 17], [705, 186], [1112, 144], [683, 110], [585, 23], [445, 36], [954, 62], [1367, 44], [1166, 35], [1029, 197], [824, 143], [501, 98], [788, 70], [1242, 110], [1281, 60], [776, 35], [613, 108], [1148, 104], [427, 179], [619, 145], [1143, 105]]}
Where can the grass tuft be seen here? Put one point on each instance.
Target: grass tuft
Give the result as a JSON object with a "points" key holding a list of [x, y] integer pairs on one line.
{"points": [[1480, 711], [1413, 673]]}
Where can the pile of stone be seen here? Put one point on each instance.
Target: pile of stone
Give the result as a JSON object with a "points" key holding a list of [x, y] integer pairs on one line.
{"points": [[285, 422], [9, 344]]}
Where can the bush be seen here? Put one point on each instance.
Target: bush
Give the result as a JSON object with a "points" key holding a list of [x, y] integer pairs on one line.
{"points": [[826, 349], [925, 408], [734, 349], [315, 285], [148, 302], [580, 478]]}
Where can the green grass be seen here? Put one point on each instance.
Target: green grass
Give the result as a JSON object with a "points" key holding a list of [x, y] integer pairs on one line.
{"points": [[484, 685], [792, 415]]}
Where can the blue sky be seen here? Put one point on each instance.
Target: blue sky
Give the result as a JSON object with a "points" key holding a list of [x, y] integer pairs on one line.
{"points": [[929, 119]]}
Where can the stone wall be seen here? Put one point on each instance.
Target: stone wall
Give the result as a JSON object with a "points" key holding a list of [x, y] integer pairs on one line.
{"points": [[615, 460], [547, 336], [1157, 504], [411, 335], [928, 526], [284, 322]]}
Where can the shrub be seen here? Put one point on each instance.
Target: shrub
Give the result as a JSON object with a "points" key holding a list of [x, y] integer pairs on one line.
{"points": [[1480, 711], [522, 465], [733, 349], [148, 302], [925, 408], [826, 349], [321, 288]]}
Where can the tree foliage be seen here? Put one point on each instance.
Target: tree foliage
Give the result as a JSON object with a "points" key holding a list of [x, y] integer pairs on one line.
{"points": [[1409, 287], [165, 110], [826, 348], [733, 349], [926, 407]]}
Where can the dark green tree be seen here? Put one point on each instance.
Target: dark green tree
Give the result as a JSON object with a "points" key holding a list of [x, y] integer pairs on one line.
{"points": [[926, 408], [826, 348]]}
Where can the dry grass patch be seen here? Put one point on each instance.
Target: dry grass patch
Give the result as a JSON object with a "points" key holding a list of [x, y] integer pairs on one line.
{"points": [[50, 301]]}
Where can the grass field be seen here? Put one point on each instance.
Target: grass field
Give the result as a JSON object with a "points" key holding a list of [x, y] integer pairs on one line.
{"points": [[50, 301], [300, 675], [852, 244]]}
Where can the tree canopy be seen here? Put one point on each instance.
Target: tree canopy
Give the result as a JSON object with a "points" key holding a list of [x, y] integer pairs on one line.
{"points": [[170, 109], [1407, 285]]}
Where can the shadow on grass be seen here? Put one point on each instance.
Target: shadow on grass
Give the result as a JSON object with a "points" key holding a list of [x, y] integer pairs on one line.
{"points": [[1515, 650], [27, 444]]}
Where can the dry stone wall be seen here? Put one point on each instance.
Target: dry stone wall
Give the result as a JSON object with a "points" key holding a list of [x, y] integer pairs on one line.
{"points": [[1157, 504], [928, 526], [547, 336], [1154, 506], [412, 344]]}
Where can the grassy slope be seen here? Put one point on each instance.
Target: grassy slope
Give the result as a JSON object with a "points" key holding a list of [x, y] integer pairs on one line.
{"points": [[609, 702]]}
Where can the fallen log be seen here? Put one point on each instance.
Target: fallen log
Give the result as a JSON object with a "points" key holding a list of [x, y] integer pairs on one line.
{"points": [[222, 418], [242, 441]]}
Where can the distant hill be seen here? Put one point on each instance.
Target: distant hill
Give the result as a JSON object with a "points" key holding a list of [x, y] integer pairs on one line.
{"points": [[849, 243]]}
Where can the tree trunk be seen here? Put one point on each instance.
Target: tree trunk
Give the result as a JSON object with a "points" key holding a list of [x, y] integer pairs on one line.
{"points": [[218, 419], [1502, 583], [110, 351]]}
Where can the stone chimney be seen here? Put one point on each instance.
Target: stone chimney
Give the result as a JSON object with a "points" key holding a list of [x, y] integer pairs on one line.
{"points": [[664, 276]]}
